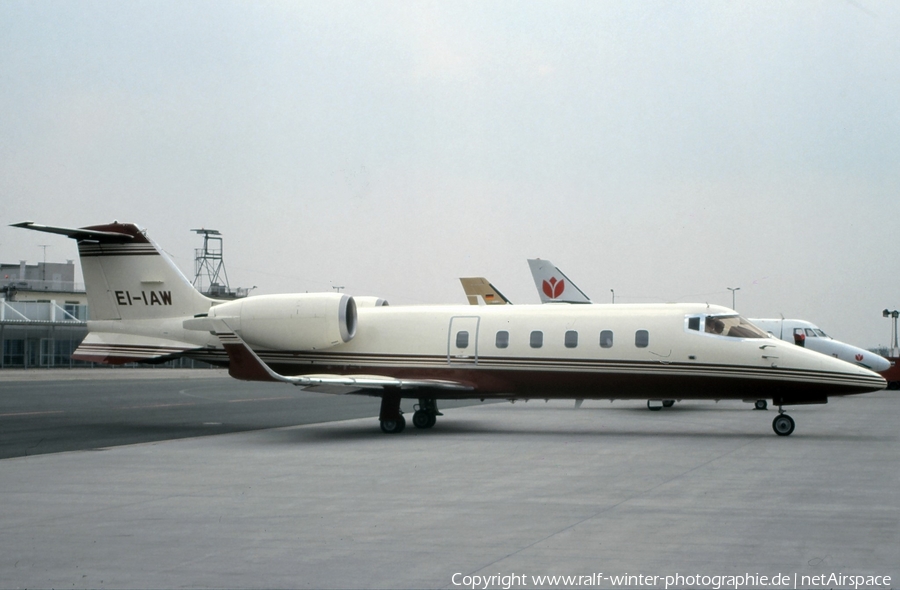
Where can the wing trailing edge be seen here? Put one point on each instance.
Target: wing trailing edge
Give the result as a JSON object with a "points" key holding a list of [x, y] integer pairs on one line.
{"points": [[245, 364]]}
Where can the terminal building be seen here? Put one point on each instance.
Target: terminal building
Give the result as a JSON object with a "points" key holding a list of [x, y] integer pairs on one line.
{"points": [[43, 315]]}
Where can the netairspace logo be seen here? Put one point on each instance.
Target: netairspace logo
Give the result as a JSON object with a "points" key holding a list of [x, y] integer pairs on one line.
{"points": [[733, 582]]}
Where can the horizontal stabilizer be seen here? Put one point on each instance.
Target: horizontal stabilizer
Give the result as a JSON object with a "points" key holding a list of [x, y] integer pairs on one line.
{"points": [[117, 349], [82, 233]]}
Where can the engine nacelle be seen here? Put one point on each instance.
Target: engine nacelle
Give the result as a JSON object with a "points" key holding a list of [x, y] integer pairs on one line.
{"points": [[366, 301], [299, 321]]}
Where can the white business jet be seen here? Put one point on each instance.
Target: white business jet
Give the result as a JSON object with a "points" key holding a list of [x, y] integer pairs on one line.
{"points": [[143, 309]]}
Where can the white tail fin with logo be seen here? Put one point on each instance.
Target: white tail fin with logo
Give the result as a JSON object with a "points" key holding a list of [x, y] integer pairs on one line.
{"points": [[552, 285]]}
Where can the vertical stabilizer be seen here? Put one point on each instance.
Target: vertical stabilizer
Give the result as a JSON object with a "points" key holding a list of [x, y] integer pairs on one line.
{"points": [[552, 285], [137, 297], [127, 276], [476, 287]]}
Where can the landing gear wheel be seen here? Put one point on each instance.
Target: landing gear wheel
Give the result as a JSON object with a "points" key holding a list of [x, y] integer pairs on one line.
{"points": [[654, 408], [423, 419], [783, 425], [760, 404], [668, 403], [393, 426]]}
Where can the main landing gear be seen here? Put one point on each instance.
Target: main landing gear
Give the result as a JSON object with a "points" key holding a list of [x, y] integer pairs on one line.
{"points": [[393, 426], [783, 424], [426, 414], [391, 417], [760, 404], [392, 420], [666, 403]]}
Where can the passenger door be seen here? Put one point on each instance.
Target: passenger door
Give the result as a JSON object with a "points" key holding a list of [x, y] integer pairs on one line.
{"points": [[462, 340]]}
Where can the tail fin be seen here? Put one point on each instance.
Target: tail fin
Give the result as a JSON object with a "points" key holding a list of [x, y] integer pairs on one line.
{"points": [[479, 286], [137, 297], [552, 285], [127, 276]]}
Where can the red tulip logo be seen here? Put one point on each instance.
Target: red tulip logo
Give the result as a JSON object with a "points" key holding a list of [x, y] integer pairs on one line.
{"points": [[553, 288], [859, 357]]}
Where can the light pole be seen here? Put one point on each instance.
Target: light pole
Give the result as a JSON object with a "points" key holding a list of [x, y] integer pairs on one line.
{"points": [[44, 267], [733, 289], [613, 291], [892, 313]]}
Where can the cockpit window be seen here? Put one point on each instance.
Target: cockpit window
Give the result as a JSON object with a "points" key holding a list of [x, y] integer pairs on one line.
{"points": [[821, 333], [733, 326], [811, 333]]}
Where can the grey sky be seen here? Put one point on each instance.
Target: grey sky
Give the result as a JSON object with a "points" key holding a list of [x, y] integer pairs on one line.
{"points": [[664, 150]]}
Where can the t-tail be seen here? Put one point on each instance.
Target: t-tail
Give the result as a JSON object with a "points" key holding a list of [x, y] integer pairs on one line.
{"points": [[137, 297]]}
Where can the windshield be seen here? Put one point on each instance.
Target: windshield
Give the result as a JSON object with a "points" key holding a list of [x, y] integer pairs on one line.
{"points": [[733, 326]]}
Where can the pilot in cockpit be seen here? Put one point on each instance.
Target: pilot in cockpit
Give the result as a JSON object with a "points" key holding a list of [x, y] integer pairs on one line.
{"points": [[714, 326]]}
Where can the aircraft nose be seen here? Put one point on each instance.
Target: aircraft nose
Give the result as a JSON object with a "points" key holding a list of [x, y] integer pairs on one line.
{"points": [[874, 362]]}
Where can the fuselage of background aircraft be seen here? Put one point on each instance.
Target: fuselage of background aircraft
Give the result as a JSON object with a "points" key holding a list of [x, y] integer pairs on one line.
{"points": [[808, 335]]}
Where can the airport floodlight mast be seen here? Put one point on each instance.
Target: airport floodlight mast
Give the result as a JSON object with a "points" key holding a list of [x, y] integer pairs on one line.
{"points": [[893, 313], [209, 268], [44, 268], [733, 289]]}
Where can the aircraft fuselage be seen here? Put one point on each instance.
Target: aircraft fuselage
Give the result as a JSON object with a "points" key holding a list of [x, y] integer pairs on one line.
{"points": [[559, 351]]}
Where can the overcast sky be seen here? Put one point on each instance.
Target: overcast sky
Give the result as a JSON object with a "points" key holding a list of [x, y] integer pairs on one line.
{"points": [[667, 150]]}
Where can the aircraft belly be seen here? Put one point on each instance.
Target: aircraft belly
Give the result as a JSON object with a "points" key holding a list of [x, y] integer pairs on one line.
{"points": [[553, 378]]}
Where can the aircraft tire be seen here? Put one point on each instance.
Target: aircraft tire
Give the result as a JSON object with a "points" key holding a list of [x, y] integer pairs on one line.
{"points": [[653, 408], [760, 404], [668, 403], [422, 419], [393, 426], [783, 425]]}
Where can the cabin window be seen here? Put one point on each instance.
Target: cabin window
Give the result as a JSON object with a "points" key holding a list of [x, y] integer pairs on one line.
{"points": [[537, 339], [502, 340], [571, 339], [462, 339], [606, 339], [694, 323], [641, 338]]}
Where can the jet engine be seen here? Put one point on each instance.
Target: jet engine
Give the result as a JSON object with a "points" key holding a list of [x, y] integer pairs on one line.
{"points": [[366, 301], [299, 321]]}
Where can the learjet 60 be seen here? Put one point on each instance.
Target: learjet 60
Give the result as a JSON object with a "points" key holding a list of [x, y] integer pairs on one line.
{"points": [[143, 309]]}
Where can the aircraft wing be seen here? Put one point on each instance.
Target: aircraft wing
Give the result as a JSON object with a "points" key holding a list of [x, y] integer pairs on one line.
{"points": [[244, 363]]}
